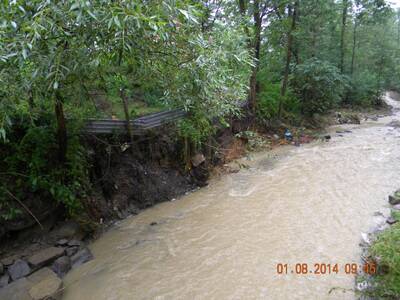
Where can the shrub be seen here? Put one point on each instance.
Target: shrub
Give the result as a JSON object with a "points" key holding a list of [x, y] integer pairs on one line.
{"points": [[31, 169], [319, 85], [363, 90], [268, 103]]}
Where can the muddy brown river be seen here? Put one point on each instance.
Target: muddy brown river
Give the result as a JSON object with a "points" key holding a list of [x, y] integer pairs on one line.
{"points": [[307, 204]]}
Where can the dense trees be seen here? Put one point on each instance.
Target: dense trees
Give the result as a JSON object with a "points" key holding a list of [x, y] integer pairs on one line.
{"points": [[288, 58]]}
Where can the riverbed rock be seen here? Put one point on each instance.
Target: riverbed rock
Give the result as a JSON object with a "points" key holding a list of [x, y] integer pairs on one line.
{"points": [[62, 242], [8, 261], [19, 269], [71, 251], [198, 159], [394, 124], [81, 257], [305, 139], [365, 240], [4, 280], [396, 207], [394, 199], [45, 256], [45, 285], [61, 266], [391, 221], [17, 290], [68, 230], [200, 175], [75, 243], [232, 168], [348, 118], [40, 275]]}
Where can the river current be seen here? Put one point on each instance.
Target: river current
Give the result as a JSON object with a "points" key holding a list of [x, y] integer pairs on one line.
{"points": [[310, 205]]}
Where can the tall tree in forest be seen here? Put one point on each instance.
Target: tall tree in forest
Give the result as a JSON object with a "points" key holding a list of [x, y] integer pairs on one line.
{"points": [[345, 4], [292, 13], [259, 11]]}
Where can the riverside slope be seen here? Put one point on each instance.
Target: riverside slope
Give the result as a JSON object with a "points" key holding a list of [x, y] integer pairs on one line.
{"points": [[224, 241]]}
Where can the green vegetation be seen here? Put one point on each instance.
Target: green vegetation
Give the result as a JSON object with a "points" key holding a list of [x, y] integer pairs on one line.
{"points": [[62, 62], [387, 249]]}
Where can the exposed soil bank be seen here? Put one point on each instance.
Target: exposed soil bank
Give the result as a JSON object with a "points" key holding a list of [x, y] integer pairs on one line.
{"points": [[125, 183]]}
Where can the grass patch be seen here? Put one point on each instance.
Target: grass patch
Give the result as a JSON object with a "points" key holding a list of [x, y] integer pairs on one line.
{"points": [[386, 250]]}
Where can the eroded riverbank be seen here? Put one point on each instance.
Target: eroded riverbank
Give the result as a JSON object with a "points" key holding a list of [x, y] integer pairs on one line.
{"points": [[224, 241]]}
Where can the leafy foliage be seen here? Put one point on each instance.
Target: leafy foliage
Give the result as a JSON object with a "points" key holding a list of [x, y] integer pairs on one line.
{"points": [[319, 85], [31, 170], [55, 55], [386, 248], [206, 56]]}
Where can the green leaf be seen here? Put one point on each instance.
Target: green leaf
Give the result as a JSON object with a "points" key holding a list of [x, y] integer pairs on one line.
{"points": [[92, 14], [24, 53], [74, 6], [185, 13], [117, 22], [3, 133]]}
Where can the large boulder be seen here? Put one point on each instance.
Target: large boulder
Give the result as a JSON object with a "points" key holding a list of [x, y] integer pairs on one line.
{"points": [[41, 285], [49, 288], [44, 285], [40, 275], [17, 290], [45, 256], [19, 269]]}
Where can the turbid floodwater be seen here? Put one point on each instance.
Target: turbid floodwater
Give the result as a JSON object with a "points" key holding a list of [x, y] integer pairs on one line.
{"points": [[225, 241]]}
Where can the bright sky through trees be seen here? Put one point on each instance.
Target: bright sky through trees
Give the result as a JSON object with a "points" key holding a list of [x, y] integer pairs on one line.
{"points": [[395, 3]]}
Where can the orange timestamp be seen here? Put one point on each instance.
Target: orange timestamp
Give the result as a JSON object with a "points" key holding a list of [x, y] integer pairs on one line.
{"points": [[326, 268]]}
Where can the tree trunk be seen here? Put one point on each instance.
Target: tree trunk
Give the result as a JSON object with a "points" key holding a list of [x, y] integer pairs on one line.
{"points": [[353, 54], [313, 42], [295, 46], [127, 118], [254, 44], [342, 36], [288, 56], [61, 129], [254, 86], [398, 27]]}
